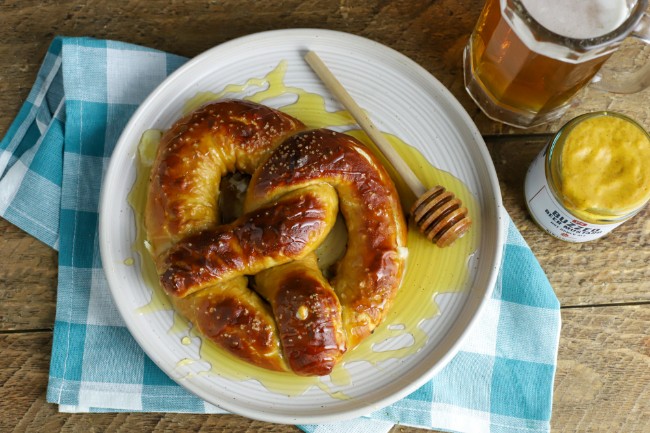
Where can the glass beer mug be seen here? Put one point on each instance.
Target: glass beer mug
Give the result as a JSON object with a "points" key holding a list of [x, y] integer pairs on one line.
{"points": [[526, 59]]}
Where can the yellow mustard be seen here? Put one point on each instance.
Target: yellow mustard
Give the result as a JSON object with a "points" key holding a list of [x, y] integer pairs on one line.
{"points": [[605, 167], [592, 176]]}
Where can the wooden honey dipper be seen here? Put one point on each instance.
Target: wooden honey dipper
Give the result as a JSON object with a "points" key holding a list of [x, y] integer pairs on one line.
{"points": [[439, 215]]}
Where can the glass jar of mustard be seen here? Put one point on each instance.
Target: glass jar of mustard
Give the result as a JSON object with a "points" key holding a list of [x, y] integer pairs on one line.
{"points": [[593, 175]]}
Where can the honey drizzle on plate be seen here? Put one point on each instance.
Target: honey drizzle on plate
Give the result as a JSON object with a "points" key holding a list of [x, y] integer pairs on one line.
{"points": [[430, 270]]}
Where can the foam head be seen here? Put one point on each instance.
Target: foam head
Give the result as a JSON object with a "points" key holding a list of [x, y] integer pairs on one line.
{"points": [[579, 19]]}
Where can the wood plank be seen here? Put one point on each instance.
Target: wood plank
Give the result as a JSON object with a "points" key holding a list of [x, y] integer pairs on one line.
{"points": [[603, 376], [602, 383], [28, 278]]}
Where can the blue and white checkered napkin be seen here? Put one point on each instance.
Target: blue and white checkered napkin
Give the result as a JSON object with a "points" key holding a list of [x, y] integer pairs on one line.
{"points": [[51, 164]]}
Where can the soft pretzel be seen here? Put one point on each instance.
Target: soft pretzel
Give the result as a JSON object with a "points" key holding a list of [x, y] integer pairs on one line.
{"points": [[368, 275], [307, 313], [293, 317], [192, 157], [285, 230]]}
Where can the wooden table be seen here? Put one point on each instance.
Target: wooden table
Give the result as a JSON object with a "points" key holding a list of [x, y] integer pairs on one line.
{"points": [[603, 376]]}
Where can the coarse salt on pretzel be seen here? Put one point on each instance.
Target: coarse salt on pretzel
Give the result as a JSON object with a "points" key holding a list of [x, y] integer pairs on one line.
{"points": [[368, 275], [294, 318]]}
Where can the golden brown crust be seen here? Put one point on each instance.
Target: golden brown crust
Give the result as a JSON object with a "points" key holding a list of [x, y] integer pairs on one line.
{"points": [[195, 153], [307, 313], [235, 318], [369, 274], [299, 181], [285, 230]]}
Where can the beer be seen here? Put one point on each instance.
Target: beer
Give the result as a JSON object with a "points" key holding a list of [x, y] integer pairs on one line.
{"points": [[529, 80]]}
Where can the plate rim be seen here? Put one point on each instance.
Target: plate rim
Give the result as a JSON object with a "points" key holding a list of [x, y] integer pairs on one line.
{"points": [[476, 304]]}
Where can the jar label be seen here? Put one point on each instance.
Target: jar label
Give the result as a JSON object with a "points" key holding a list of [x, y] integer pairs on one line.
{"points": [[551, 215]]}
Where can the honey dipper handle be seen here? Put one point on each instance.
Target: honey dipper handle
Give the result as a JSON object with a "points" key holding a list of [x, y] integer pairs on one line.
{"points": [[333, 84]]}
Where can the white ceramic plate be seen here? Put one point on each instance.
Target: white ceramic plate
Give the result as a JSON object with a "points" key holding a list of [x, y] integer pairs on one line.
{"points": [[404, 100]]}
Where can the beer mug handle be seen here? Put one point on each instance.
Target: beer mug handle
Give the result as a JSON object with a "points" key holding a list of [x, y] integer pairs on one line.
{"points": [[630, 82]]}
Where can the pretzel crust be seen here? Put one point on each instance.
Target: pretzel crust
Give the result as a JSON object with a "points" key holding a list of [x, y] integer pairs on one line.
{"points": [[194, 154], [368, 276], [292, 318]]}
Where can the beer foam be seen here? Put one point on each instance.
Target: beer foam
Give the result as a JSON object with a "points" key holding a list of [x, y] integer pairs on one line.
{"points": [[579, 19]]}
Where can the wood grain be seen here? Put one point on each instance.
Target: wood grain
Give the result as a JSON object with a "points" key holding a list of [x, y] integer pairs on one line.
{"points": [[603, 379], [28, 277]]}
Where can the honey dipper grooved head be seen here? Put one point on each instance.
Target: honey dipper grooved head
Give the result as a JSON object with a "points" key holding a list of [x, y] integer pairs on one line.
{"points": [[440, 216]]}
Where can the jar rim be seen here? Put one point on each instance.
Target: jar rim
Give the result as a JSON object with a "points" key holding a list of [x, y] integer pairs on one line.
{"points": [[553, 162]]}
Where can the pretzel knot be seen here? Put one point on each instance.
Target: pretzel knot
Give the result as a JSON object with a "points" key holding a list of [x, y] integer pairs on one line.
{"points": [[253, 286]]}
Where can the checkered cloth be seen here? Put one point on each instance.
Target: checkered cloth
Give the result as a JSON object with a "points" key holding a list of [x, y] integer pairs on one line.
{"points": [[51, 164]]}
